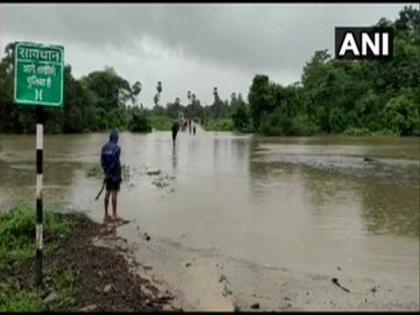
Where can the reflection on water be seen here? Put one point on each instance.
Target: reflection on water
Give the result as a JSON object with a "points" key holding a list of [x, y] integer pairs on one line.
{"points": [[173, 159], [246, 198], [387, 190], [391, 208]]}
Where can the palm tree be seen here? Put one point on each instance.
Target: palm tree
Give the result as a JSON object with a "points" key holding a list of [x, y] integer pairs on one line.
{"points": [[156, 99], [189, 95], [216, 94], [159, 91], [136, 89]]}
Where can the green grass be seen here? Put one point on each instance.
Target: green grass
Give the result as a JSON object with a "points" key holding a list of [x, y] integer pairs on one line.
{"points": [[221, 124], [17, 232], [13, 299], [17, 246], [61, 281], [97, 172], [367, 132], [160, 122], [18, 225]]}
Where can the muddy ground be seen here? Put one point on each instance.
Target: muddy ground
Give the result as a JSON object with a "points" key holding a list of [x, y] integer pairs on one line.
{"points": [[105, 280]]}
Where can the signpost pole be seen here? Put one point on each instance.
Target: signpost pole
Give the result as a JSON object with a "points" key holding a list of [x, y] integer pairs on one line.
{"points": [[39, 74], [39, 211]]}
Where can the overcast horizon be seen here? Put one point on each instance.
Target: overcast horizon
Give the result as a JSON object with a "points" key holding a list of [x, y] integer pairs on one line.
{"points": [[188, 46]]}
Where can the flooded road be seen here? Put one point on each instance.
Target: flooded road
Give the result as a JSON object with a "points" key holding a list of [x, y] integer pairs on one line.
{"points": [[239, 219]]}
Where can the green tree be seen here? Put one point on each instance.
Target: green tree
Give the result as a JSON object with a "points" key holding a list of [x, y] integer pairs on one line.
{"points": [[135, 92], [261, 98], [139, 121], [242, 119], [401, 115], [110, 90]]}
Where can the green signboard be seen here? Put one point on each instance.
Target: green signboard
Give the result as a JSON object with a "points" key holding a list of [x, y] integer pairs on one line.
{"points": [[39, 74]]}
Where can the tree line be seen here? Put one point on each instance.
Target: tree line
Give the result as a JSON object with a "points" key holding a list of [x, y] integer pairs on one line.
{"points": [[344, 96], [102, 100], [332, 97]]}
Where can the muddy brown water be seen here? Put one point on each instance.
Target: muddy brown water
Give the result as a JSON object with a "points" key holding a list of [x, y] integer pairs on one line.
{"points": [[277, 217]]}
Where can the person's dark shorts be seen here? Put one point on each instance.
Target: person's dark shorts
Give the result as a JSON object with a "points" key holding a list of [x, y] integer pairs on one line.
{"points": [[112, 185]]}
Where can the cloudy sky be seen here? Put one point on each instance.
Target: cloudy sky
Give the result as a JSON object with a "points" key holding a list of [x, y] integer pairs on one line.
{"points": [[188, 46]]}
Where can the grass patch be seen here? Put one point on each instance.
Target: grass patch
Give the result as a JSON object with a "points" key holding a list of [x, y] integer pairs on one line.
{"points": [[17, 248], [97, 172], [160, 122], [221, 124], [17, 233], [14, 299], [61, 281], [357, 132]]}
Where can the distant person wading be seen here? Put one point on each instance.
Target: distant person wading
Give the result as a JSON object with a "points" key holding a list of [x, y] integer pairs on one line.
{"points": [[175, 128], [110, 162]]}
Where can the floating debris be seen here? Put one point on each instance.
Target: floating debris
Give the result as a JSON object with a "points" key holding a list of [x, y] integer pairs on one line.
{"points": [[368, 159], [255, 306], [147, 236], [335, 281], [153, 172]]}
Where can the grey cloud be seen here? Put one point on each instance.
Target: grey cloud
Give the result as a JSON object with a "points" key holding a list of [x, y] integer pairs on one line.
{"points": [[250, 36], [189, 46]]}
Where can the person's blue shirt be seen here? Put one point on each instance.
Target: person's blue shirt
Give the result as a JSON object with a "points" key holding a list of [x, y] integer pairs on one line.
{"points": [[110, 158]]}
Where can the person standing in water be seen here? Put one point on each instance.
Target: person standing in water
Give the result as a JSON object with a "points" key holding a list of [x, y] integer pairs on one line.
{"points": [[194, 130], [175, 128], [110, 162]]}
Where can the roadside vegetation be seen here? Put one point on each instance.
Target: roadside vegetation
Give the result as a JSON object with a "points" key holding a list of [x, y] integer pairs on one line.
{"points": [[77, 274], [97, 172], [17, 251], [220, 124]]}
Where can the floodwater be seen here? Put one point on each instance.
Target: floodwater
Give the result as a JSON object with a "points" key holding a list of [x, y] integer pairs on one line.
{"points": [[240, 219]]}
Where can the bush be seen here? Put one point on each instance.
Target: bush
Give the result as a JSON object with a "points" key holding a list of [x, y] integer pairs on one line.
{"points": [[160, 122], [384, 132], [302, 125], [17, 232], [367, 111], [400, 115], [220, 124], [139, 121], [273, 124], [337, 120], [356, 132], [280, 124], [269, 130], [242, 119]]}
